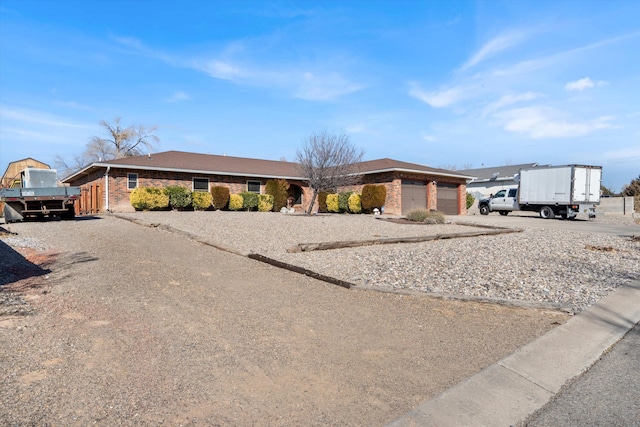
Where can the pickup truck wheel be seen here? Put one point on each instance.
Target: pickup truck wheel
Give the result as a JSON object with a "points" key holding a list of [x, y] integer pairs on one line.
{"points": [[504, 213], [546, 213], [484, 210]]}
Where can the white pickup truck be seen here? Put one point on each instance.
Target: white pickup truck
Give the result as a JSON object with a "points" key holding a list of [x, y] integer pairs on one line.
{"points": [[553, 190]]}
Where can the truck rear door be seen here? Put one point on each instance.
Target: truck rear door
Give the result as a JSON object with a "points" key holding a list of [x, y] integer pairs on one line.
{"points": [[586, 184]]}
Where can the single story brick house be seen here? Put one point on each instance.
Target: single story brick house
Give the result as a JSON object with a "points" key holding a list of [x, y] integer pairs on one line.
{"points": [[106, 186]]}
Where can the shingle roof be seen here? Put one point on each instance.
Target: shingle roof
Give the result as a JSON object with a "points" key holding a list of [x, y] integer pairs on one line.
{"points": [[503, 172], [386, 164], [180, 161], [195, 162]]}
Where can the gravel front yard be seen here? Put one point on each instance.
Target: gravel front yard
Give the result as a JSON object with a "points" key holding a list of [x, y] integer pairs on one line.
{"points": [[116, 324], [566, 269]]}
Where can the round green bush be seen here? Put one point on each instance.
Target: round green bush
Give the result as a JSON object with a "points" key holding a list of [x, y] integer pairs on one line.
{"points": [[470, 200], [249, 200], [343, 201], [179, 197]]}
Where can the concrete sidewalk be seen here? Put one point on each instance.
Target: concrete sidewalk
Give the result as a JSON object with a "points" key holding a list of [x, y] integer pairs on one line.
{"points": [[508, 392]]}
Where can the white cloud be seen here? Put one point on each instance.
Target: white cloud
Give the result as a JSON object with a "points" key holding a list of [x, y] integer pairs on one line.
{"points": [[585, 83], [542, 123], [510, 99], [36, 118], [492, 47], [441, 98], [580, 84], [323, 87], [178, 96], [624, 155], [223, 70], [356, 128]]}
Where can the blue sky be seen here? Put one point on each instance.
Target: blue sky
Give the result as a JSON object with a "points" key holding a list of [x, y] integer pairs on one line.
{"points": [[440, 83]]}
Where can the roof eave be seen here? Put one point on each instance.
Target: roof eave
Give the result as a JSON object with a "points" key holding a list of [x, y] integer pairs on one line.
{"points": [[166, 169], [450, 175]]}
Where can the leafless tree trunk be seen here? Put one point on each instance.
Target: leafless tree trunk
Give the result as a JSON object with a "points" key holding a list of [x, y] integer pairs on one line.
{"points": [[328, 161]]}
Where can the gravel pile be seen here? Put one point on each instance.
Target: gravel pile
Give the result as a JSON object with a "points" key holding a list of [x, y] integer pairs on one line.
{"points": [[563, 268]]}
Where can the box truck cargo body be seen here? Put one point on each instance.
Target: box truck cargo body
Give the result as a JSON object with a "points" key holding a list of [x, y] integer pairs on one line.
{"points": [[553, 190]]}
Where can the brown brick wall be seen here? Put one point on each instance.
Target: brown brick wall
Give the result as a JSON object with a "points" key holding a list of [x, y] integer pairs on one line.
{"points": [[119, 194]]}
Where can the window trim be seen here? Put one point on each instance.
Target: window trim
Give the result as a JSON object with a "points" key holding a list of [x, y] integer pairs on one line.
{"points": [[254, 181], [202, 178], [129, 175]]}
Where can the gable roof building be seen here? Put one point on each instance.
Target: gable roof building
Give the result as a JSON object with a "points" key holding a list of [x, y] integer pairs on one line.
{"points": [[492, 179], [106, 185]]}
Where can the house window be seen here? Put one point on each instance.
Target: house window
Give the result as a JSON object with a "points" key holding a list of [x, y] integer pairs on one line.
{"points": [[132, 181], [253, 186], [200, 184]]}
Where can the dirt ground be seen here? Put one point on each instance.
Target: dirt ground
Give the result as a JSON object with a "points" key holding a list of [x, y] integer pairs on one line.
{"points": [[137, 326]]}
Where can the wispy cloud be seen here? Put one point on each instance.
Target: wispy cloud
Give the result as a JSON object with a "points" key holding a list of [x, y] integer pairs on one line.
{"points": [[17, 114], [624, 155], [178, 96], [299, 82], [582, 84], [510, 99], [543, 122], [494, 46], [27, 126], [444, 97]]}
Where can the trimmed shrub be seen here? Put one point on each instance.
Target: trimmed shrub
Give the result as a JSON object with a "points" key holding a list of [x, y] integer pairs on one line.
{"points": [[322, 201], [417, 215], [434, 217], [249, 200], [355, 206], [423, 215], [343, 200], [265, 202], [179, 197], [470, 200], [235, 202], [332, 203], [279, 189], [148, 198], [373, 196], [201, 200], [219, 197]]}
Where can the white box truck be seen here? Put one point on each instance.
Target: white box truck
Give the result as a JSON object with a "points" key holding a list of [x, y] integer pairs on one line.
{"points": [[551, 190]]}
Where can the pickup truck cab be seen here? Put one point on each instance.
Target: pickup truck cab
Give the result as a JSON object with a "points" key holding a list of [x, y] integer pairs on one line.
{"points": [[504, 201]]}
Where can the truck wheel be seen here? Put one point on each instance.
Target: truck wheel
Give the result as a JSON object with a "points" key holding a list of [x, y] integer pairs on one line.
{"points": [[546, 213], [69, 214], [484, 210], [504, 213]]}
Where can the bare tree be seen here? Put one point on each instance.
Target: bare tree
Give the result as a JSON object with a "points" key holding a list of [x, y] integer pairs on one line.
{"points": [[119, 142], [328, 161]]}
